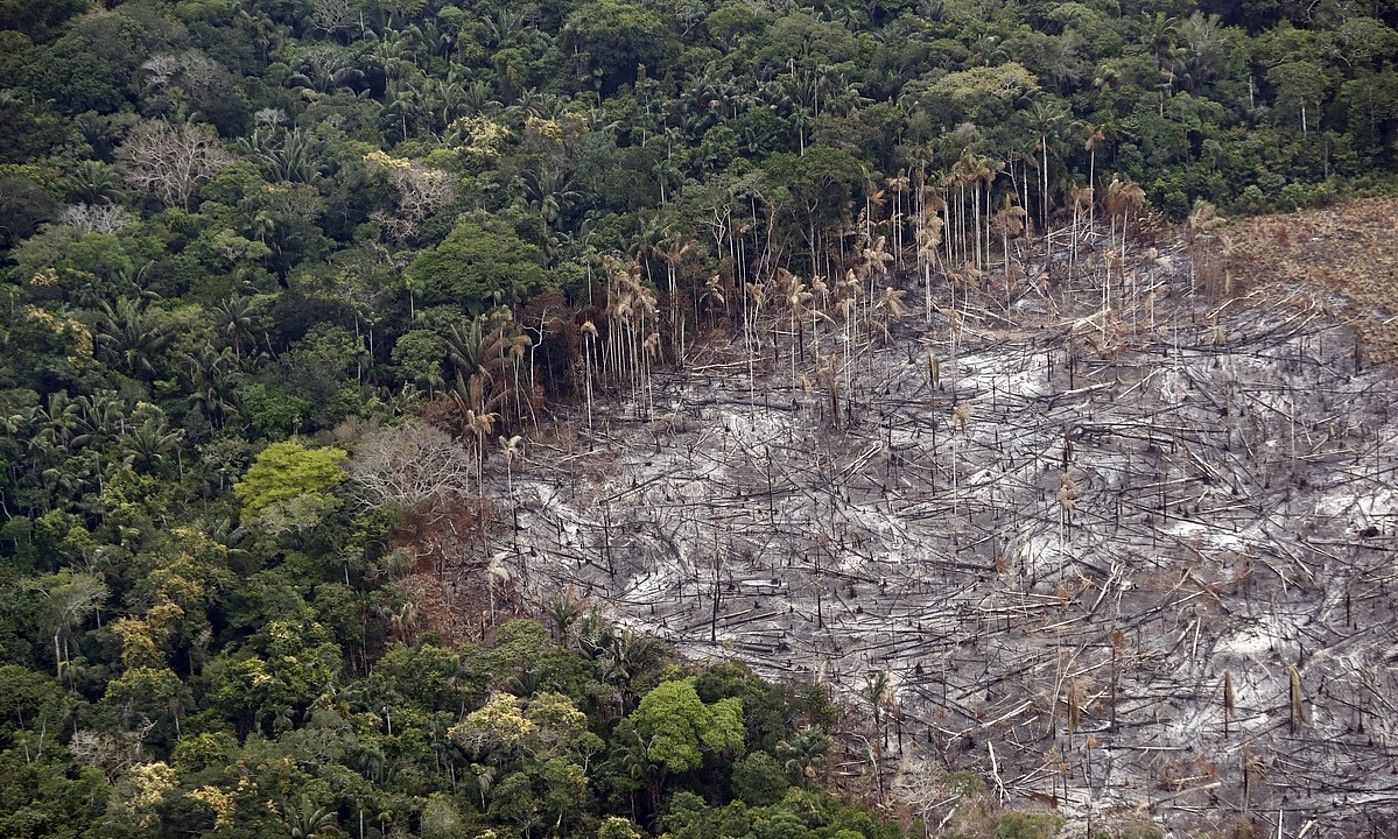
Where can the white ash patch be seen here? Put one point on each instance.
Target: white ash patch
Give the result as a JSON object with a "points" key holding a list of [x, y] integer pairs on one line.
{"points": [[1198, 541]]}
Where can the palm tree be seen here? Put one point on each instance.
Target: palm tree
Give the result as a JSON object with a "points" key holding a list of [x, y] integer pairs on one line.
{"points": [[62, 418], [1094, 136], [1125, 198], [322, 70], [485, 779], [892, 307], [1160, 36], [510, 448], [713, 297], [484, 360], [1199, 237], [480, 425], [1075, 698], [631, 310], [623, 658], [284, 155], [564, 611], [991, 50], [306, 820], [94, 182], [236, 320], [899, 185], [1010, 223], [71, 598], [1207, 48], [150, 442], [876, 259], [130, 335], [1044, 120], [805, 754], [929, 240], [878, 692], [100, 415], [519, 350], [793, 292], [504, 23], [210, 389], [589, 335], [497, 573], [1082, 199], [403, 105], [820, 295], [673, 255], [550, 193]]}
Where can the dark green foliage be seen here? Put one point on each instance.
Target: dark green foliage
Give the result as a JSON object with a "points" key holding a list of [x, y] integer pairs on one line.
{"points": [[481, 260], [38, 19], [24, 205], [613, 40], [759, 779]]}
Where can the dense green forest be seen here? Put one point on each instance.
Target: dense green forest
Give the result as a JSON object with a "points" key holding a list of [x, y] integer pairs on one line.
{"points": [[242, 238]]}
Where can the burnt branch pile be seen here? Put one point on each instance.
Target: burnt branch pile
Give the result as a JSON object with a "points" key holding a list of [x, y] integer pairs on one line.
{"points": [[1116, 544]]}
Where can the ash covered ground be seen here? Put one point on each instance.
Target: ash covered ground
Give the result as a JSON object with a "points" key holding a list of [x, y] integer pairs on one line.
{"points": [[1140, 562]]}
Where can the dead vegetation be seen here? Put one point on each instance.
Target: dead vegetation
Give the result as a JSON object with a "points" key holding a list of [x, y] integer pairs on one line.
{"points": [[1120, 545], [1350, 251]]}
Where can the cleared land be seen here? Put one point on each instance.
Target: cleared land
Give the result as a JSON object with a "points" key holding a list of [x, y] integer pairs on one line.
{"points": [[1134, 562]]}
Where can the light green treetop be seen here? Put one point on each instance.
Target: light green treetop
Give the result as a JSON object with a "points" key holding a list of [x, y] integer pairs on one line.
{"points": [[677, 726], [289, 471]]}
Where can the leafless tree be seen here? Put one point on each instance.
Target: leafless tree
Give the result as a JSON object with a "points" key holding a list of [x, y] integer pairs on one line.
{"points": [[110, 753], [333, 15], [269, 116], [172, 160], [176, 81], [422, 190], [414, 467], [95, 218]]}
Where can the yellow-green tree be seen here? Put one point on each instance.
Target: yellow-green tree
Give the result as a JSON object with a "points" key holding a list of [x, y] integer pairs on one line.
{"points": [[289, 478]]}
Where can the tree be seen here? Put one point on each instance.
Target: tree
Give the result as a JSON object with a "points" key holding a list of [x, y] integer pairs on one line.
{"points": [[170, 160], [49, 797], [422, 191], [72, 598], [131, 335], [615, 38], [413, 467], [94, 182], [147, 695], [304, 819], [1301, 88], [500, 725], [615, 827], [24, 205], [38, 18], [481, 263], [677, 728], [758, 779], [1045, 119], [289, 472], [134, 807], [820, 187], [981, 95], [1371, 100], [805, 754]]}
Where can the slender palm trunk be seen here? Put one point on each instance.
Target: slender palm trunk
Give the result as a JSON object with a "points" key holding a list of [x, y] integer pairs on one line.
{"points": [[1092, 185], [1048, 238]]}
